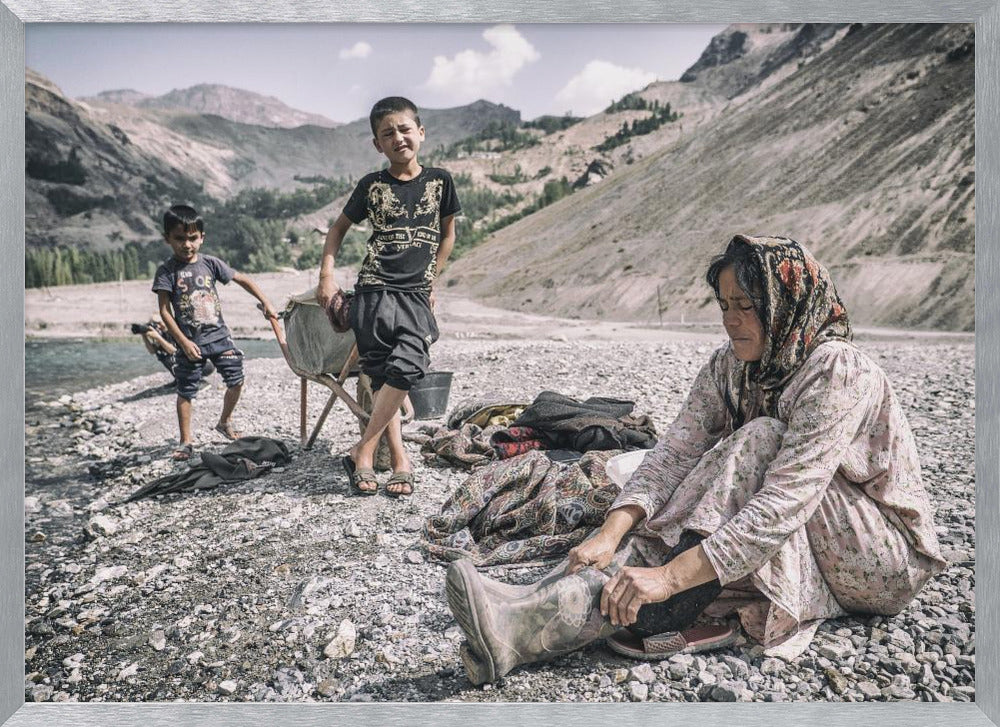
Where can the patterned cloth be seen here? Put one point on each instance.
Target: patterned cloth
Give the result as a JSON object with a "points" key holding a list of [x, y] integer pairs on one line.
{"points": [[467, 447], [820, 507], [522, 509], [513, 441]]}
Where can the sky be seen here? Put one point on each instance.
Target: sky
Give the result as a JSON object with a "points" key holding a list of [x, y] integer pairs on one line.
{"points": [[340, 70]]}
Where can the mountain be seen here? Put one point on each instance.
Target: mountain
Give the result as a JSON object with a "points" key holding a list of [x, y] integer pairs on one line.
{"points": [[856, 140], [245, 107], [87, 184], [242, 155], [269, 157], [124, 96], [100, 172], [861, 147]]}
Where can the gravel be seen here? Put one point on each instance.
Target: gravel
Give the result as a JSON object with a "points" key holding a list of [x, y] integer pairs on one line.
{"points": [[286, 588]]}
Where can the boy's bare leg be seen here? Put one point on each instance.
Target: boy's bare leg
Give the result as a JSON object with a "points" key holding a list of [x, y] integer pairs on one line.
{"points": [[397, 455], [228, 405], [387, 400], [184, 419]]}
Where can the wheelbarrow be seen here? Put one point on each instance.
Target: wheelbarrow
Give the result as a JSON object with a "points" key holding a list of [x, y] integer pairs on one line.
{"points": [[317, 353]]}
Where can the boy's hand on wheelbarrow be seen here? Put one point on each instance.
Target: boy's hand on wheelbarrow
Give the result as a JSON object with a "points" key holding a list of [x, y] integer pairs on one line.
{"points": [[325, 291], [267, 310]]}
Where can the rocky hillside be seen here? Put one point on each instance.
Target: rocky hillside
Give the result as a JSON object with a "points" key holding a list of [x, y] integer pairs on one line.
{"points": [[256, 153], [100, 171], [857, 141], [88, 184]]}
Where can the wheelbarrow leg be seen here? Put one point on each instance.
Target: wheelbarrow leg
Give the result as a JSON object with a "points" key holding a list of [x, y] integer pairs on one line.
{"points": [[321, 421], [303, 391], [352, 359]]}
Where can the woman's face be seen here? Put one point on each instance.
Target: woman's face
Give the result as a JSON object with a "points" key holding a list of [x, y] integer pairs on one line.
{"points": [[739, 318]]}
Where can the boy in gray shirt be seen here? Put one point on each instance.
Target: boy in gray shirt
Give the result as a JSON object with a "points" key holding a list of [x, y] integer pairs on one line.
{"points": [[191, 311]]}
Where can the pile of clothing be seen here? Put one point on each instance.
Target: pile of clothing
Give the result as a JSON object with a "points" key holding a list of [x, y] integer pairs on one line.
{"points": [[244, 459], [478, 433], [539, 485], [523, 509]]}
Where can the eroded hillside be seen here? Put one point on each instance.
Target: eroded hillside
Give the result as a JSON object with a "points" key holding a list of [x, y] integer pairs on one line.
{"points": [[863, 150]]}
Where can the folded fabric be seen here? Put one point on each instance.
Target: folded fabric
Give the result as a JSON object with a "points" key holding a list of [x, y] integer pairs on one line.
{"points": [[467, 447], [513, 441], [484, 413], [243, 459], [599, 423], [522, 509]]}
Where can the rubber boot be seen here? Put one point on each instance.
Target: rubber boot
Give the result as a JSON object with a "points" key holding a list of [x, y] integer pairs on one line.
{"points": [[552, 617], [514, 590]]}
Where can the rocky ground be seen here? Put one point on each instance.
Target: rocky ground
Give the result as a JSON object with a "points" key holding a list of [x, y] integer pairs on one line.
{"points": [[287, 588]]}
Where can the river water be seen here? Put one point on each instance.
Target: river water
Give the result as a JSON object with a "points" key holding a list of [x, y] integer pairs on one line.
{"points": [[53, 367]]}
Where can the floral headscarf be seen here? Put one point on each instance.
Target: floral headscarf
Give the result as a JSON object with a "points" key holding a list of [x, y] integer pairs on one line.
{"points": [[801, 309]]}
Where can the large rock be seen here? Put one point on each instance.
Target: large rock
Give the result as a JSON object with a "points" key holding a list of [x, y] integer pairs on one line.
{"points": [[342, 645]]}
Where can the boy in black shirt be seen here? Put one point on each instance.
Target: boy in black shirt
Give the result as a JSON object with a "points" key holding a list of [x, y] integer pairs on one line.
{"points": [[412, 212]]}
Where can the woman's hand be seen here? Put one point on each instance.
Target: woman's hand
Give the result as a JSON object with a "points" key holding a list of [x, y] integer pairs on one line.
{"points": [[631, 588], [596, 551], [325, 291]]}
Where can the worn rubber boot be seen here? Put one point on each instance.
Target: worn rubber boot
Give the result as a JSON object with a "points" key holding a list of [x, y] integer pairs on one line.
{"points": [[514, 590], [552, 617]]}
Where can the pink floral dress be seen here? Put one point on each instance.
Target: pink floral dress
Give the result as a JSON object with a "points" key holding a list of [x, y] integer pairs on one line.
{"points": [[810, 514]]}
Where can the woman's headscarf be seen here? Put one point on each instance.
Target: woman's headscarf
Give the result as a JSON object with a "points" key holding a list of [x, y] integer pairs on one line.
{"points": [[801, 309]]}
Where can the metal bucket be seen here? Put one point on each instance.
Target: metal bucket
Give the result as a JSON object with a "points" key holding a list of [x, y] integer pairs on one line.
{"points": [[313, 345], [429, 396]]}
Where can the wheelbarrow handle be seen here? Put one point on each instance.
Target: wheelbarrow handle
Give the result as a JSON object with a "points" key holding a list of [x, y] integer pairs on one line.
{"points": [[279, 332]]}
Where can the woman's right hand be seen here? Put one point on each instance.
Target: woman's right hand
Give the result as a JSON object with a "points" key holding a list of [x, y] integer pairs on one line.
{"points": [[596, 552], [325, 291]]}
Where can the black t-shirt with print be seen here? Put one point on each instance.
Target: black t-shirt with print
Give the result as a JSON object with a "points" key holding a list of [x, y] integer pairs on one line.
{"points": [[406, 227]]}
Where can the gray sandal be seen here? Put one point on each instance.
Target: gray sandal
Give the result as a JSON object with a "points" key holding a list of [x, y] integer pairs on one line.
{"points": [[400, 478]]}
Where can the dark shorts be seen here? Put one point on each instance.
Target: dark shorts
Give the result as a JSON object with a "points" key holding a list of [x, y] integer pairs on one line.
{"points": [[223, 353], [169, 361], [394, 331]]}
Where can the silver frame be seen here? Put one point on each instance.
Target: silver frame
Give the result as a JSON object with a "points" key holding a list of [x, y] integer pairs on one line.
{"points": [[13, 15]]}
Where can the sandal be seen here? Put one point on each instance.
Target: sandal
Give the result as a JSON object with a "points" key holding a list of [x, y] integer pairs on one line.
{"points": [[357, 475], [182, 453], [400, 478], [661, 646], [227, 431]]}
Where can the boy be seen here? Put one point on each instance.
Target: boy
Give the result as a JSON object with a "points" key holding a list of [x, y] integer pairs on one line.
{"points": [[412, 212], [190, 309]]}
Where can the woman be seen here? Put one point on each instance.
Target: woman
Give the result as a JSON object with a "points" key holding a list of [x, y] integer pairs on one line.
{"points": [[787, 489]]}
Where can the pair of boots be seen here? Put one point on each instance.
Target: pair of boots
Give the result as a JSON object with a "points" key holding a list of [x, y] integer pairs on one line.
{"points": [[507, 625]]}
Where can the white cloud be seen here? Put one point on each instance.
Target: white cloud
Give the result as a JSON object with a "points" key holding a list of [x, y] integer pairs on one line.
{"points": [[597, 85], [358, 50], [471, 73]]}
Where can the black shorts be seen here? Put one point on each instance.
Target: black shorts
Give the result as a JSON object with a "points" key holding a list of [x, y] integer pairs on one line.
{"points": [[228, 362], [394, 331]]}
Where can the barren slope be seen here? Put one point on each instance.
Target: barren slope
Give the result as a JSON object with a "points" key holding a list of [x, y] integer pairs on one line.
{"points": [[865, 154]]}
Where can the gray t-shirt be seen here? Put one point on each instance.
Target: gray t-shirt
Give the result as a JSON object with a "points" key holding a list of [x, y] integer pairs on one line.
{"points": [[193, 297]]}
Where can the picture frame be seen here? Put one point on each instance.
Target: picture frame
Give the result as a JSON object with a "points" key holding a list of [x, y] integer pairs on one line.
{"points": [[14, 14]]}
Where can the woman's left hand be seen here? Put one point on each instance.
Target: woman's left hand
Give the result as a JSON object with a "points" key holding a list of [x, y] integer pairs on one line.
{"points": [[632, 588]]}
